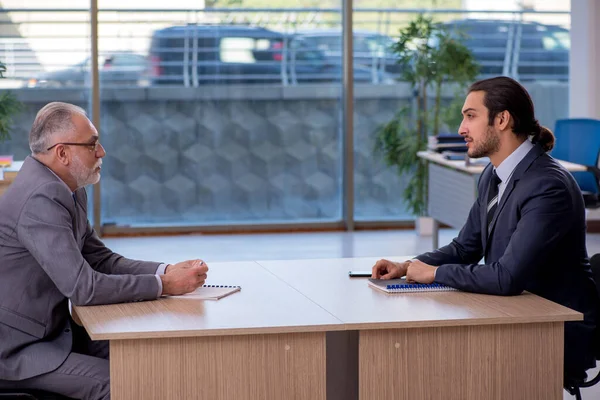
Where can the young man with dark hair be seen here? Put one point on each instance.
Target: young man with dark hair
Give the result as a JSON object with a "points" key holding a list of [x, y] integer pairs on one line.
{"points": [[528, 223]]}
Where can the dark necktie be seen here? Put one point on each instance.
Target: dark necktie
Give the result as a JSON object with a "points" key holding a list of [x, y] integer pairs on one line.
{"points": [[493, 198]]}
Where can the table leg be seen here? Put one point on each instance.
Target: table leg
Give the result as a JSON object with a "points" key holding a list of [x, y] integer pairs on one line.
{"points": [[342, 365]]}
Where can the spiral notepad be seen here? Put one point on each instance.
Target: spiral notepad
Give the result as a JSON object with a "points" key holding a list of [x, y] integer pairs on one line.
{"points": [[401, 286], [211, 292]]}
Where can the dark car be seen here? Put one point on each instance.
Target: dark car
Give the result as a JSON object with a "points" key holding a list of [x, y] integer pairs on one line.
{"points": [[370, 49], [522, 49], [193, 55], [114, 69]]}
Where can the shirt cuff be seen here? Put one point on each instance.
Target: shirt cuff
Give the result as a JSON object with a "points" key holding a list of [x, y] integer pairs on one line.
{"points": [[160, 271], [160, 287]]}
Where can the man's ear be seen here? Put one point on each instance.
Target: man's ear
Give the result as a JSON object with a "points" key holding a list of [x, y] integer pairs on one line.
{"points": [[62, 155], [503, 120]]}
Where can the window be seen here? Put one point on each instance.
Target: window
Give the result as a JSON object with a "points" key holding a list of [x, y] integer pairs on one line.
{"points": [[238, 50], [215, 140]]}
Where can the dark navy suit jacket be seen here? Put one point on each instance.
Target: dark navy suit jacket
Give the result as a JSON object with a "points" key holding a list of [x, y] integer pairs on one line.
{"points": [[537, 243]]}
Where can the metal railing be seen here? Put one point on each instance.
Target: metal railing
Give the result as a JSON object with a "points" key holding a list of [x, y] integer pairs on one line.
{"points": [[46, 47]]}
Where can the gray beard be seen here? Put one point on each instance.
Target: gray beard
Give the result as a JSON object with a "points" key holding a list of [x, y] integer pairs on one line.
{"points": [[84, 176]]}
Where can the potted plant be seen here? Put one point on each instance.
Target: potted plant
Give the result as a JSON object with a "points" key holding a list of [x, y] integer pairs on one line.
{"points": [[434, 61], [9, 106]]}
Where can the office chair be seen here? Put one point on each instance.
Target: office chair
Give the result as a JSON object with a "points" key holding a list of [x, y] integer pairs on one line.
{"points": [[574, 389], [578, 141]]}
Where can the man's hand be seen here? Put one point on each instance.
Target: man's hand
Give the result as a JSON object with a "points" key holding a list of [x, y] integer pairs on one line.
{"points": [[385, 269], [420, 272], [183, 265], [184, 277]]}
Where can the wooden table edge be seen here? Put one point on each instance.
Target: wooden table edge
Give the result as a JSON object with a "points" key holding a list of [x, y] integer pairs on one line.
{"points": [[162, 334]]}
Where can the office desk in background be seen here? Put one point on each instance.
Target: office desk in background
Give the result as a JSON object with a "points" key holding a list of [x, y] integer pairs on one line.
{"points": [[452, 190], [8, 175], [269, 341]]}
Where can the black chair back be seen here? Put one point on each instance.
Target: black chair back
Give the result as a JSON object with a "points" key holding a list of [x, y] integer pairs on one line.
{"points": [[595, 263]]}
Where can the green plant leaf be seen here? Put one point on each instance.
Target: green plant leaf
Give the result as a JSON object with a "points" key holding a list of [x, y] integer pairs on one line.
{"points": [[9, 106], [431, 58]]}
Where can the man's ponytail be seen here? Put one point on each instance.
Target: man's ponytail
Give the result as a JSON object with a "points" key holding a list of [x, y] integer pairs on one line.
{"points": [[543, 136]]}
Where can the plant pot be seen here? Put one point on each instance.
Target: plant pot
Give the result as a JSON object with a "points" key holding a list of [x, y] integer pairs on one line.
{"points": [[424, 226]]}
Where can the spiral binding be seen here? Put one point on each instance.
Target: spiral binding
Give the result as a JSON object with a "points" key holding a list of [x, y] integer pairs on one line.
{"points": [[437, 287], [221, 286]]}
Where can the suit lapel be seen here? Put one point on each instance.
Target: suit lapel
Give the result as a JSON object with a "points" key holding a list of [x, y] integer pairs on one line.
{"points": [[520, 170]]}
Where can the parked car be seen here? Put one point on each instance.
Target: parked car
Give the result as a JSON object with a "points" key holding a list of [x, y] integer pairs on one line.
{"points": [[193, 55], [371, 49], [522, 49], [115, 69]]}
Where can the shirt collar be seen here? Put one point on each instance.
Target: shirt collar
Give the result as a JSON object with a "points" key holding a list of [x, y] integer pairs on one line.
{"points": [[507, 167]]}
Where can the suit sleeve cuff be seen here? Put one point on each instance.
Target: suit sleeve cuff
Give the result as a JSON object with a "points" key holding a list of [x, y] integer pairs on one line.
{"points": [[435, 274]]}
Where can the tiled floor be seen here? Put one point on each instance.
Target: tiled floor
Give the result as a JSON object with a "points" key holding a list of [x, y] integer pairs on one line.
{"points": [[214, 248]]}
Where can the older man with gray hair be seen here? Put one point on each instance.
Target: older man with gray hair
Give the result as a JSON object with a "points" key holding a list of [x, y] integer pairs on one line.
{"points": [[49, 254]]}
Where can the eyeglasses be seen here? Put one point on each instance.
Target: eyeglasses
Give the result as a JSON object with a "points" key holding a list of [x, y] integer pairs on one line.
{"points": [[92, 147]]}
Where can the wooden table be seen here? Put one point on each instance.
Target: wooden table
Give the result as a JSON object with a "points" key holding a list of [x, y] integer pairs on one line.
{"points": [[302, 329], [452, 189], [265, 342], [438, 345]]}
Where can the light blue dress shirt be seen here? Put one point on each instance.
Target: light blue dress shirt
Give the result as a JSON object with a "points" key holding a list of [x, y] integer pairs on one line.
{"points": [[507, 167]]}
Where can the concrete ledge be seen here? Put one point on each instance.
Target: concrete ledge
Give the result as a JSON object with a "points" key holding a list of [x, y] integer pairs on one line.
{"points": [[239, 92], [46, 95], [170, 93], [401, 90], [124, 94], [312, 92], [332, 91]]}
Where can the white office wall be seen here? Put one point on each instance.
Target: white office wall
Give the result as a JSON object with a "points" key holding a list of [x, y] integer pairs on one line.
{"points": [[584, 64]]}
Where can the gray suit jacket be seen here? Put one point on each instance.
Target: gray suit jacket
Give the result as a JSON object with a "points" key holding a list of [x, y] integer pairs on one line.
{"points": [[49, 254]]}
